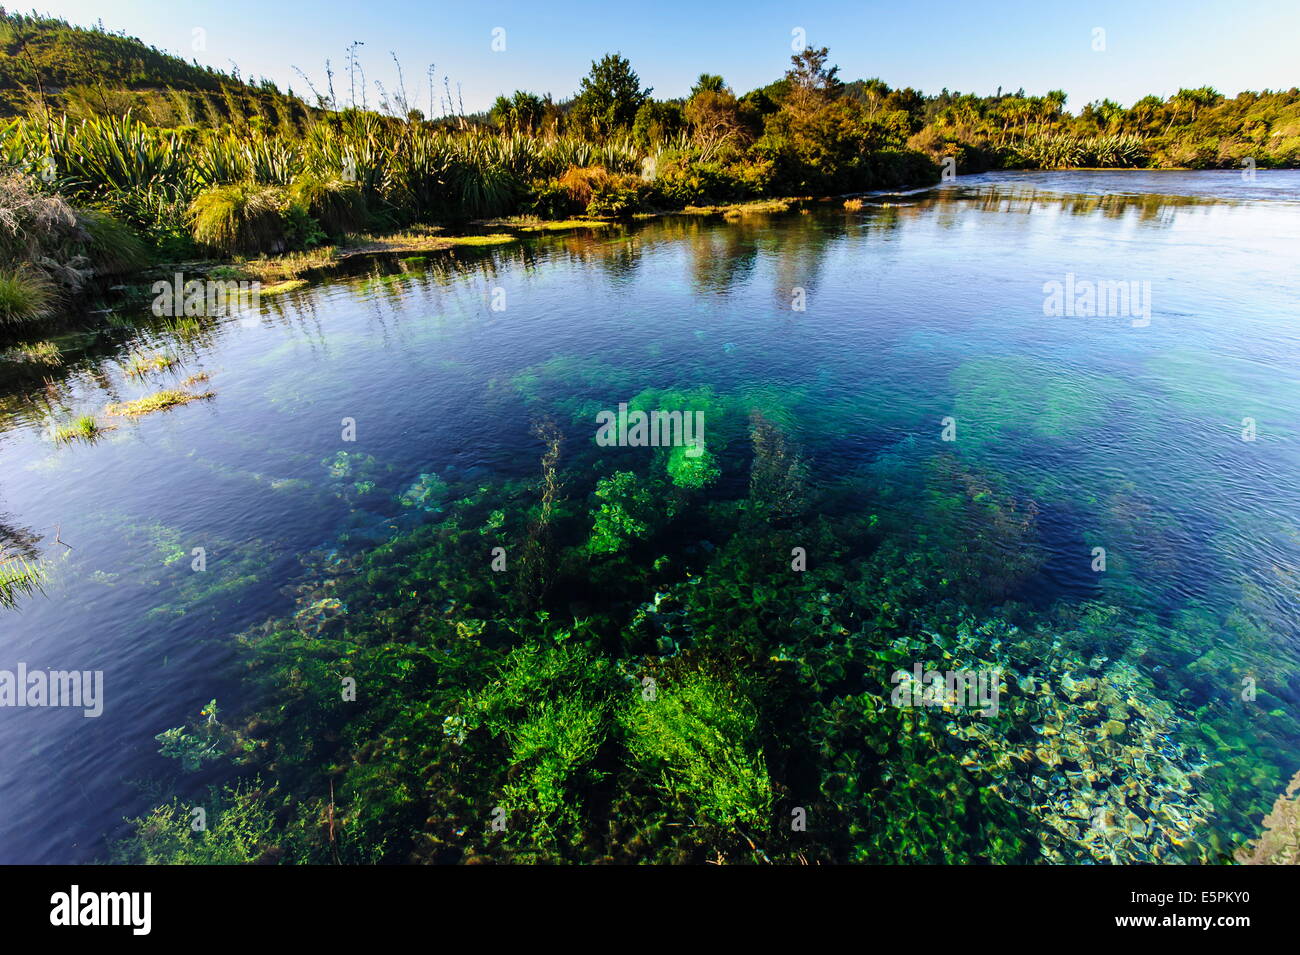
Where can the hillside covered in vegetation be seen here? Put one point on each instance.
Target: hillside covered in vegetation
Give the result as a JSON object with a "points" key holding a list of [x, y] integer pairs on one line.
{"points": [[50, 66]]}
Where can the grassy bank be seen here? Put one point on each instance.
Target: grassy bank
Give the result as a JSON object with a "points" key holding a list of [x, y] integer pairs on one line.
{"points": [[190, 165]]}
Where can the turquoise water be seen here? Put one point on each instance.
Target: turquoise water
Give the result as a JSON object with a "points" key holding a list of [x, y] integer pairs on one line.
{"points": [[1126, 432]]}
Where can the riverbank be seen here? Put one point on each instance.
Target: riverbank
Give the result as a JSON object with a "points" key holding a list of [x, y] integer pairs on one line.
{"points": [[280, 273]]}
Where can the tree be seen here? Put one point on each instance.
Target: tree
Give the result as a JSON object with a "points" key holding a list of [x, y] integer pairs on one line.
{"points": [[708, 83], [1200, 98], [1191, 101], [1053, 106], [1145, 109], [1110, 115], [657, 121], [812, 82], [609, 96], [874, 91], [714, 115], [522, 112]]}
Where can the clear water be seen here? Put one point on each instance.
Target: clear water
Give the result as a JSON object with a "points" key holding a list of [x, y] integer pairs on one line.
{"points": [[1123, 436]]}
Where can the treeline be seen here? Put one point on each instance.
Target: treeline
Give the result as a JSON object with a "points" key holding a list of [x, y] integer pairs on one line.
{"points": [[48, 65], [173, 160], [1195, 128]]}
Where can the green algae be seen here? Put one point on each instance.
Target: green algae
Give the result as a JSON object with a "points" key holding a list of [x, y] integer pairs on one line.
{"points": [[995, 396]]}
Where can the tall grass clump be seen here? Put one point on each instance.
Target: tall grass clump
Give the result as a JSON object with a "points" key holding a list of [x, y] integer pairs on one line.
{"points": [[83, 428], [25, 296], [49, 249], [20, 577], [140, 365], [242, 217], [36, 353], [112, 247], [338, 206]]}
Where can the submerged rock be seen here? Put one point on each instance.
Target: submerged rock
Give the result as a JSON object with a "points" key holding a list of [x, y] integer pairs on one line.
{"points": [[428, 493]]}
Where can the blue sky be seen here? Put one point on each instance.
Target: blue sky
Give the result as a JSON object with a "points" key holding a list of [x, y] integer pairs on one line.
{"points": [[1151, 46]]}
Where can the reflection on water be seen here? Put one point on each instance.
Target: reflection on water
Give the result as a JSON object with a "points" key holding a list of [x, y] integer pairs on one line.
{"points": [[1073, 433]]}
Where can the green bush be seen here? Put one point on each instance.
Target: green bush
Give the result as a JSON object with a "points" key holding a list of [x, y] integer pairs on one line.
{"points": [[618, 197], [551, 200]]}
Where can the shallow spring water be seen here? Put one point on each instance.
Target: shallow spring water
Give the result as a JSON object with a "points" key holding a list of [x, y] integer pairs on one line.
{"points": [[1126, 432]]}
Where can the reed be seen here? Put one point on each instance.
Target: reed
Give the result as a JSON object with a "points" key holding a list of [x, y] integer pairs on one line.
{"points": [[20, 577], [84, 428]]}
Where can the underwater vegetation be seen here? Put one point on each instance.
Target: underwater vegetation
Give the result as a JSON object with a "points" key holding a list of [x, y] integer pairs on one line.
{"points": [[426, 493], [626, 509], [649, 674], [241, 829]]}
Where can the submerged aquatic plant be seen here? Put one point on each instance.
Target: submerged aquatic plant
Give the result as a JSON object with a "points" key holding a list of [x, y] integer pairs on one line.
{"points": [[242, 828], [537, 552], [549, 704], [1279, 843], [697, 738], [197, 744], [625, 513], [693, 471], [778, 475], [427, 493], [710, 690]]}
